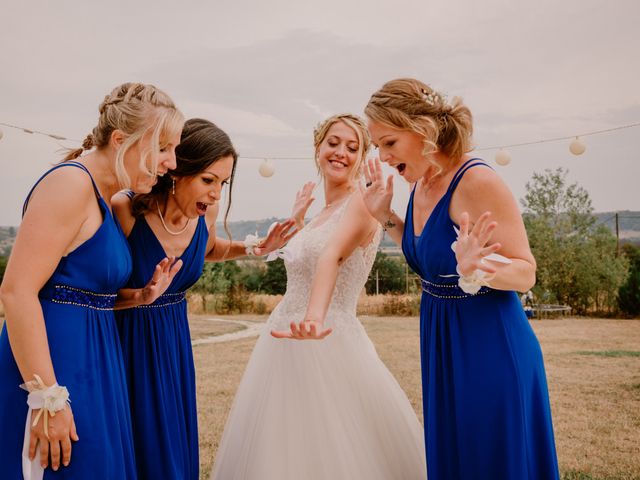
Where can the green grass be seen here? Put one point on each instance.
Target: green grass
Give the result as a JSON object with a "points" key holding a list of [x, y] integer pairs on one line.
{"points": [[612, 353]]}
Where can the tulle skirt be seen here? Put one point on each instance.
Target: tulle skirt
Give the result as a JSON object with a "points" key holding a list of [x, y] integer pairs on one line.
{"points": [[320, 410]]}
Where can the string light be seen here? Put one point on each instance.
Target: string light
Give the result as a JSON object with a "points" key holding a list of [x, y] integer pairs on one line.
{"points": [[502, 158], [266, 168], [36, 132], [577, 147]]}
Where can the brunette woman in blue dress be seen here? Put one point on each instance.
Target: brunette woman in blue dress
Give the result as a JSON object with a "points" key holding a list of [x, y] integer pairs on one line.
{"points": [[176, 220]]}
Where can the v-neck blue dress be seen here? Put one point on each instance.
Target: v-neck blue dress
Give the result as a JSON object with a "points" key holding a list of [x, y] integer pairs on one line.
{"points": [[159, 360], [485, 397], [77, 303]]}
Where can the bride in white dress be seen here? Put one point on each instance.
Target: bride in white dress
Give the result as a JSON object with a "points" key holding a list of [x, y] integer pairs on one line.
{"points": [[327, 409]]}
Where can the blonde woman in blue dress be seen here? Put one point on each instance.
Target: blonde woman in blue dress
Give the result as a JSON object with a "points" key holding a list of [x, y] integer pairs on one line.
{"points": [[329, 409]]}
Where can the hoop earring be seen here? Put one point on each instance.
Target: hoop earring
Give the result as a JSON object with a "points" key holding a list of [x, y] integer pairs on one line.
{"points": [[173, 186]]}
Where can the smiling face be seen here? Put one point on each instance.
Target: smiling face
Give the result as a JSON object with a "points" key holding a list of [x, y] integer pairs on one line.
{"points": [[338, 153], [400, 149], [139, 162], [196, 193]]}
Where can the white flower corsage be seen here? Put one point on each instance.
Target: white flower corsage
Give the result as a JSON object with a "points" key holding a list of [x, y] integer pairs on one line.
{"points": [[250, 242], [472, 284], [49, 400]]}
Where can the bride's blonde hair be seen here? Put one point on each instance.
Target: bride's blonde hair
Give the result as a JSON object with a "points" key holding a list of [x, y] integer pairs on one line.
{"points": [[360, 129]]}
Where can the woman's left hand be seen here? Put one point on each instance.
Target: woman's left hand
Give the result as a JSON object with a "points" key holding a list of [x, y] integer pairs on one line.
{"points": [[471, 245], [162, 277], [306, 330], [277, 237]]}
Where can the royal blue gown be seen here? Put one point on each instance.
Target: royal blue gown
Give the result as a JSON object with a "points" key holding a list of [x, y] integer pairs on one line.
{"points": [[485, 398], [159, 360], [77, 303]]}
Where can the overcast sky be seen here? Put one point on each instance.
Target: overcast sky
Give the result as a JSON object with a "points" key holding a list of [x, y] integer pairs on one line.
{"points": [[268, 71]]}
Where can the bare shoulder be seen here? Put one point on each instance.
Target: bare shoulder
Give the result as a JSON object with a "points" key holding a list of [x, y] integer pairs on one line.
{"points": [[357, 216], [357, 207], [481, 189], [121, 206], [211, 217], [64, 191]]}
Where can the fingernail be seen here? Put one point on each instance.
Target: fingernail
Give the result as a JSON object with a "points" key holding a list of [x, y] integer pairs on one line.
{"points": [[66, 464]]}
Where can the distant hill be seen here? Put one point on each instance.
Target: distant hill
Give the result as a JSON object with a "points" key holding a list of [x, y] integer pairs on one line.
{"points": [[628, 224]]}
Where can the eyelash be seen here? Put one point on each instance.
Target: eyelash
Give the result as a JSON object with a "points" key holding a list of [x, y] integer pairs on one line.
{"points": [[351, 149], [390, 143]]}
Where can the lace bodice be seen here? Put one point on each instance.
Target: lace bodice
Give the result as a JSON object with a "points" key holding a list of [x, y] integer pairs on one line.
{"points": [[304, 250]]}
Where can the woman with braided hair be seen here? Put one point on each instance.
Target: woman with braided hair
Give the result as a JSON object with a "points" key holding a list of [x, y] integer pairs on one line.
{"points": [[316, 402], [485, 400], [69, 260]]}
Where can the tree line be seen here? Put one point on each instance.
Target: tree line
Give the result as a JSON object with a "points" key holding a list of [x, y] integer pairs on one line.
{"points": [[580, 262]]}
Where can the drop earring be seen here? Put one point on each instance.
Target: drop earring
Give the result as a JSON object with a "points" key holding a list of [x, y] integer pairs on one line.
{"points": [[173, 186]]}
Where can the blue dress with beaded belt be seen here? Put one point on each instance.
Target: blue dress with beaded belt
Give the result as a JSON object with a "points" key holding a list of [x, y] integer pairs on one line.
{"points": [[485, 399], [77, 303], [159, 360]]}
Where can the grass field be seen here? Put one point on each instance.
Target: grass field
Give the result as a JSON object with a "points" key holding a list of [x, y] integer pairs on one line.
{"points": [[593, 369]]}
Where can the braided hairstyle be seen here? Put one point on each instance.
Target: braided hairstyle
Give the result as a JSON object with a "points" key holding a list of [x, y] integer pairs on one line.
{"points": [[358, 126], [409, 104], [134, 109]]}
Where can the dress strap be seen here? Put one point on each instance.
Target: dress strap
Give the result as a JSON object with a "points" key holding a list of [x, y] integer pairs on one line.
{"points": [[462, 170], [70, 163]]}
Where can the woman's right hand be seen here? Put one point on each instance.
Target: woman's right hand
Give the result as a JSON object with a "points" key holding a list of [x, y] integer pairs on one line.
{"points": [[161, 279], [61, 430], [377, 193], [304, 199]]}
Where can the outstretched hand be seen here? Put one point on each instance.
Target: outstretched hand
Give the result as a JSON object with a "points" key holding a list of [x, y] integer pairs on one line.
{"points": [[304, 198], [162, 277], [278, 236], [471, 246], [305, 330], [377, 192]]}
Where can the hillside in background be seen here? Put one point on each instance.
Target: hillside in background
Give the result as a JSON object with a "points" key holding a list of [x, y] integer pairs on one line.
{"points": [[628, 224]]}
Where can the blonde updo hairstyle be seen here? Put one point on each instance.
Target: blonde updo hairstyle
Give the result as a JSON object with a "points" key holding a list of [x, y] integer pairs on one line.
{"points": [[134, 109], [358, 126], [409, 104]]}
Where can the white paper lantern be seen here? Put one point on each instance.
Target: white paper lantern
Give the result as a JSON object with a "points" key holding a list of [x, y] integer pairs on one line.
{"points": [[503, 157], [577, 146], [266, 168]]}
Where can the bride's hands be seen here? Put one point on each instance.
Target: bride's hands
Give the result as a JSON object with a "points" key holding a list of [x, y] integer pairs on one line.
{"points": [[303, 200], [471, 245], [377, 193], [305, 330]]}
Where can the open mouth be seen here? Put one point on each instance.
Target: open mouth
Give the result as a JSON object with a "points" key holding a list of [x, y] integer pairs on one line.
{"points": [[201, 207], [401, 167], [337, 164]]}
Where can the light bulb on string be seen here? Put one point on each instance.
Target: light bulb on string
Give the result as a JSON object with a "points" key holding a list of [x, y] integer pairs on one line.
{"points": [[503, 157], [266, 168], [26, 130], [577, 146]]}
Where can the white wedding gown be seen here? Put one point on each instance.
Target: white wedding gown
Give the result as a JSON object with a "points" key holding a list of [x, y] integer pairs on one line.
{"points": [[320, 409]]}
